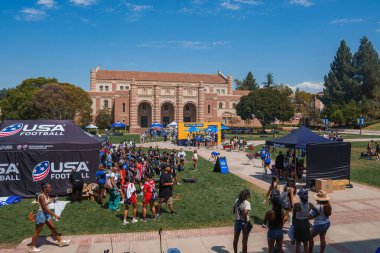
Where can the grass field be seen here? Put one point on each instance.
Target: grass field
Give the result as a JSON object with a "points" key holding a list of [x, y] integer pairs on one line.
{"points": [[373, 127], [207, 203], [363, 170]]}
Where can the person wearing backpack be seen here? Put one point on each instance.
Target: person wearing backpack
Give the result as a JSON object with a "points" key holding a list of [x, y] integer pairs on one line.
{"points": [[241, 209], [274, 220], [321, 221]]}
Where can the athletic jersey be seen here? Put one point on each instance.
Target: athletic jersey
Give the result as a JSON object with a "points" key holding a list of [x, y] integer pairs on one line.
{"points": [[149, 186]]}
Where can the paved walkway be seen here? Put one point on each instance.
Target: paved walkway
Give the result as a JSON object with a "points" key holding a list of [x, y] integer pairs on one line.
{"points": [[355, 224]]}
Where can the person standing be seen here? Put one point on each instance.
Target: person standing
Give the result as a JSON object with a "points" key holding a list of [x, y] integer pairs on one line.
{"points": [[263, 153], [149, 189], [76, 181], [321, 221], [182, 157], [101, 177], [166, 191], [274, 220], [195, 159], [130, 199], [279, 163], [301, 216], [43, 216], [241, 209]]}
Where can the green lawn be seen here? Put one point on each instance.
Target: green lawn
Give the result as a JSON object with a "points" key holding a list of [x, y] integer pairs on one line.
{"points": [[373, 127], [207, 203], [364, 170]]}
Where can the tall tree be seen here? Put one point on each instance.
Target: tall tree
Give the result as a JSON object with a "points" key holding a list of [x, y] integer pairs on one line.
{"points": [[249, 83], [267, 105], [269, 80], [340, 85], [103, 119], [367, 65]]}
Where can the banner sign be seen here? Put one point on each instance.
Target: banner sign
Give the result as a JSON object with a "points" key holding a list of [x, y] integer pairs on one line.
{"points": [[221, 165]]}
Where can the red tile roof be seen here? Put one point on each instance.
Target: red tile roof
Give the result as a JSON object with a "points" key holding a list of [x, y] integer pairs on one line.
{"points": [[159, 76]]}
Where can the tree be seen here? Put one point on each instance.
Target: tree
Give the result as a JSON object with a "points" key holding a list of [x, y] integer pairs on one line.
{"points": [[367, 65], [269, 81], [302, 101], [103, 119], [338, 117], [267, 105], [284, 89], [3, 92], [340, 85], [350, 112], [45, 98], [249, 83]]}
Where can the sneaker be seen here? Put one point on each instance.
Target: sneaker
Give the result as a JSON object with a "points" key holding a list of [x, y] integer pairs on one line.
{"points": [[173, 213], [143, 220], [178, 183], [158, 214], [63, 243], [134, 220], [33, 249], [125, 222]]}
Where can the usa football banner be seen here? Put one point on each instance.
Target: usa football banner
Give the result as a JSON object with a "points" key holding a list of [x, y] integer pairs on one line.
{"points": [[34, 152]]}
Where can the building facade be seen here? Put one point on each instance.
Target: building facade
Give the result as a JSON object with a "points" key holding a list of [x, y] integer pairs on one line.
{"points": [[139, 99]]}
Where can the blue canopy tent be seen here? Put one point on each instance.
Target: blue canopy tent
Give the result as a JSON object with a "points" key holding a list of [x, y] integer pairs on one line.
{"points": [[156, 125], [119, 124], [193, 129], [298, 139], [211, 129], [325, 158], [223, 127]]}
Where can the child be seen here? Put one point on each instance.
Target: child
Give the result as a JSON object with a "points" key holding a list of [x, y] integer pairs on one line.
{"points": [[129, 190], [195, 159]]}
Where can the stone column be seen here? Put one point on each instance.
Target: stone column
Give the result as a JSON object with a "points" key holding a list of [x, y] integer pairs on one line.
{"points": [[133, 107], [156, 110], [201, 103], [179, 104]]}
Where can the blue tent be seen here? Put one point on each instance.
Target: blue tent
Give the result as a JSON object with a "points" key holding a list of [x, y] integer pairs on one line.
{"points": [[193, 129], [119, 125], [223, 127], [211, 129], [298, 139], [156, 125]]}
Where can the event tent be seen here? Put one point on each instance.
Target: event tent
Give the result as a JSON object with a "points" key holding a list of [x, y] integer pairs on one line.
{"points": [[36, 151], [91, 126], [324, 158], [118, 124], [173, 124], [298, 139]]}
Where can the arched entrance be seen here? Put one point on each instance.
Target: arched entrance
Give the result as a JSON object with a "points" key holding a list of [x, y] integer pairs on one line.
{"points": [[189, 113], [167, 113], [144, 115]]}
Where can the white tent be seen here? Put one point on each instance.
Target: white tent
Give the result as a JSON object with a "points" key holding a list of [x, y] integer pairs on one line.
{"points": [[91, 126], [173, 124]]}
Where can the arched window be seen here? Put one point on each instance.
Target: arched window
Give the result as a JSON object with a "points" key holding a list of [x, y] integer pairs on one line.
{"points": [[220, 106], [123, 107], [105, 104]]}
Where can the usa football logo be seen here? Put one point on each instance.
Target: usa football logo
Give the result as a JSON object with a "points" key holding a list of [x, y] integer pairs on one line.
{"points": [[11, 130], [41, 171]]}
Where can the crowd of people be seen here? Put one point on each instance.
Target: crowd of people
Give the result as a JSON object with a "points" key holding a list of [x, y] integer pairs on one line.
{"points": [[126, 171], [334, 136], [373, 151], [153, 134]]}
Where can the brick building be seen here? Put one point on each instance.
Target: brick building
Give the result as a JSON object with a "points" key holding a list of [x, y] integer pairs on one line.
{"points": [[140, 98]]}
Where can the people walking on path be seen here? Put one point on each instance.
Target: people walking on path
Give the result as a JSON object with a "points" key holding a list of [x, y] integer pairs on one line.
{"points": [[43, 217]]}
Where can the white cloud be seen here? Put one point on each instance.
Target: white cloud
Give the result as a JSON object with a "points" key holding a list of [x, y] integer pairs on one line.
{"points": [[83, 2], [31, 14], [306, 3], [230, 6], [345, 21], [183, 44], [378, 30], [308, 86], [135, 11], [250, 2], [138, 8], [49, 4]]}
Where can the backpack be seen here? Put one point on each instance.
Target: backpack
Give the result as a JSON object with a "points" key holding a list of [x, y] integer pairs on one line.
{"points": [[274, 194], [284, 200]]}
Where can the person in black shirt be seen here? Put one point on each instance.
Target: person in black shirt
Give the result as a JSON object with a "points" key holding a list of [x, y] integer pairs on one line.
{"points": [[166, 191], [280, 165], [77, 186]]}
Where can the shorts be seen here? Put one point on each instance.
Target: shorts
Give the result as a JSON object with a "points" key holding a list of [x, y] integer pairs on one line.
{"points": [[266, 164], [148, 198], [131, 201], [240, 226], [275, 234], [168, 200], [320, 228], [42, 217]]}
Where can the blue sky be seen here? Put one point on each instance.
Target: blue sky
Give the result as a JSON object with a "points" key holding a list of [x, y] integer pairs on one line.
{"points": [[296, 40]]}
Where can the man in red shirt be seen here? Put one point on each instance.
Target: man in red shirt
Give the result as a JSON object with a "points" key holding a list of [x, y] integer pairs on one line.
{"points": [[149, 192]]}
